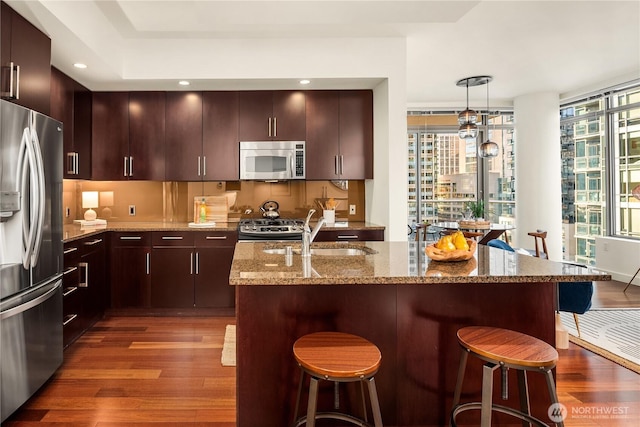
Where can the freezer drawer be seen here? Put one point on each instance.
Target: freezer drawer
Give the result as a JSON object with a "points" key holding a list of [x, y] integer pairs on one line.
{"points": [[31, 343]]}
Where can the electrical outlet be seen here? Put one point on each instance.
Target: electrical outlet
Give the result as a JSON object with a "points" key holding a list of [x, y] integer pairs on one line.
{"points": [[132, 210], [352, 209]]}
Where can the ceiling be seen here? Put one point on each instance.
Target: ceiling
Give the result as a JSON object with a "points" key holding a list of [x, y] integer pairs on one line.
{"points": [[563, 47]]}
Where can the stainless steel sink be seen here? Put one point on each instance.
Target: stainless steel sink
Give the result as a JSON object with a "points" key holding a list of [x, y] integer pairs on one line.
{"points": [[324, 251]]}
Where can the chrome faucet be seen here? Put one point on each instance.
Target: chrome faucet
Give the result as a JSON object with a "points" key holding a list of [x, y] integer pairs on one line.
{"points": [[308, 235]]}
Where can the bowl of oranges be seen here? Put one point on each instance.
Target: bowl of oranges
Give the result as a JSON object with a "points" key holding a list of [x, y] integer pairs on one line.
{"points": [[452, 247]]}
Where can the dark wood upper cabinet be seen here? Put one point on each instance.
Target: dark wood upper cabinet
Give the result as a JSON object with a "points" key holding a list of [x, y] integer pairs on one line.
{"points": [[323, 134], [183, 141], [339, 135], [356, 134], [71, 104], [128, 136], [271, 115], [110, 136], [147, 135], [220, 147], [25, 57]]}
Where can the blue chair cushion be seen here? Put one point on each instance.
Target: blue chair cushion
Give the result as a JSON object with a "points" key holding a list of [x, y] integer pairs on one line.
{"points": [[575, 297], [497, 243]]}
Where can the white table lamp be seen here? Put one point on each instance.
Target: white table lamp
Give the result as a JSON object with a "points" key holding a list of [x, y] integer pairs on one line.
{"points": [[90, 201]]}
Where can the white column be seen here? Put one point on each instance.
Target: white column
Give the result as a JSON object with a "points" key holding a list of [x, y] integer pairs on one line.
{"points": [[538, 170]]}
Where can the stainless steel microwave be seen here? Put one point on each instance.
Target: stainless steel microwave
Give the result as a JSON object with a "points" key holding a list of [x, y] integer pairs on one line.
{"points": [[272, 160]]}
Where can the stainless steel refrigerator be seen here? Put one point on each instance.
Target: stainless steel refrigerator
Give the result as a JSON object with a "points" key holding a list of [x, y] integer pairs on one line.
{"points": [[31, 253]]}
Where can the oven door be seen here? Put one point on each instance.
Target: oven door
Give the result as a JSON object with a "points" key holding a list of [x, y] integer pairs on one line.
{"points": [[267, 164]]}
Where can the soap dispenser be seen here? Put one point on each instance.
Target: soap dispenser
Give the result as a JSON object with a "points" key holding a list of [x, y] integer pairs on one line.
{"points": [[203, 211]]}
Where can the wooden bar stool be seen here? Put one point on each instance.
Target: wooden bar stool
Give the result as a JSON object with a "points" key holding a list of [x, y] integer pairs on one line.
{"points": [[337, 357], [504, 349]]}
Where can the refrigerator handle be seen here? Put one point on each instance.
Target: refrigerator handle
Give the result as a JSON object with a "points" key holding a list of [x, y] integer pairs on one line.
{"points": [[25, 161], [39, 190], [32, 303]]}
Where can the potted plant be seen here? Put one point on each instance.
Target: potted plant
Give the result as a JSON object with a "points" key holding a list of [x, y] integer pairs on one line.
{"points": [[476, 208]]}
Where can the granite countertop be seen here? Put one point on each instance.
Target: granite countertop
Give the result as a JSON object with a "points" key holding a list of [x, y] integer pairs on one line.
{"points": [[394, 263], [74, 231]]}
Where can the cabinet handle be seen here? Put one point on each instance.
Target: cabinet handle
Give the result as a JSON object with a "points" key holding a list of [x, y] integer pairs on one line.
{"points": [[198, 165], [269, 126], [197, 263], [347, 236], [69, 250], [130, 165], [171, 237], [341, 164], [10, 93], [275, 126], [69, 291], [148, 256], [125, 165], [335, 165], [130, 237], [191, 266], [84, 281], [216, 238], [68, 319], [69, 270], [71, 163], [17, 82], [77, 166], [204, 165], [93, 242]]}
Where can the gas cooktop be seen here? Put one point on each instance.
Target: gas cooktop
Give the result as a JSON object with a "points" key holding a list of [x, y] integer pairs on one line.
{"points": [[270, 229]]}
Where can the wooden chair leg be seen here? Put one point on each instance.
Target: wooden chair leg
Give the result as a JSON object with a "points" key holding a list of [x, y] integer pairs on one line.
{"points": [[628, 284], [575, 318]]}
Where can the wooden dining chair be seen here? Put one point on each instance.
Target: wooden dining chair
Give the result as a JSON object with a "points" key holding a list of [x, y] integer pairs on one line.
{"points": [[542, 235]]}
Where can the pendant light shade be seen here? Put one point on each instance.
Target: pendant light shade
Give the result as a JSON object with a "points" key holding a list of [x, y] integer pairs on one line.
{"points": [[468, 131], [467, 116], [467, 119], [488, 149]]}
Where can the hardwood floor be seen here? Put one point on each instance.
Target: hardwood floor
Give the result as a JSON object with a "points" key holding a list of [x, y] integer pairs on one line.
{"points": [[166, 372]]}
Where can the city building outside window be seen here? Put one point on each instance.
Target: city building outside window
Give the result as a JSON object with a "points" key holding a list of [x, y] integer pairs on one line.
{"points": [[445, 171], [600, 149]]}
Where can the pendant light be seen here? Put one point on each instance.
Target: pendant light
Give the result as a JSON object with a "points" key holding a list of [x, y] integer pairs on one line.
{"points": [[488, 148], [467, 119]]}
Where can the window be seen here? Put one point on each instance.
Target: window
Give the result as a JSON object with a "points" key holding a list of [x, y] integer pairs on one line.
{"points": [[600, 140], [449, 168]]}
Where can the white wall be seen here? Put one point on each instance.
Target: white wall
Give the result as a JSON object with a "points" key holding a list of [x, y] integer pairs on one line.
{"points": [[618, 257], [538, 171]]}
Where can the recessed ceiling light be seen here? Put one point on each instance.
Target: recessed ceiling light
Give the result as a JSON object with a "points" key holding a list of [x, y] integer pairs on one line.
{"points": [[80, 65], [305, 82], [184, 83]]}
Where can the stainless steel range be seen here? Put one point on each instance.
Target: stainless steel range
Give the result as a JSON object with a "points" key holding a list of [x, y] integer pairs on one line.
{"points": [[270, 229]]}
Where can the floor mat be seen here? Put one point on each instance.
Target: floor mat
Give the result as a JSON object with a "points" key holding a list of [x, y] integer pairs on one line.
{"points": [[615, 332], [229, 346]]}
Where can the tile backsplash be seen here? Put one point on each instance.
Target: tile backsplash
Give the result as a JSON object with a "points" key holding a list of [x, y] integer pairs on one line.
{"points": [[174, 201]]}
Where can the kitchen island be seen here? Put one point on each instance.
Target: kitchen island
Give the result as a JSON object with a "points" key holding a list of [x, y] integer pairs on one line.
{"points": [[392, 295]]}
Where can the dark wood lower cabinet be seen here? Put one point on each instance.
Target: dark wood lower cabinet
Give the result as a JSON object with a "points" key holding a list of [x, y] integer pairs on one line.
{"points": [[172, 277], [191, 269], [85, 291], [350, 235], [130, 270], [214, 252]]}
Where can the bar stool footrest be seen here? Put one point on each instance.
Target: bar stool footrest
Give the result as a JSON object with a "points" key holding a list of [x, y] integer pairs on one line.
{"points": [[497, 408], [334, 416]]}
